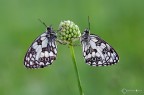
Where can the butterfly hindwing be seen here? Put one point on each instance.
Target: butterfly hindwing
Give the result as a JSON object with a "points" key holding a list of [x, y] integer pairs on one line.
{"points": [[43, 50], [97, 52]]}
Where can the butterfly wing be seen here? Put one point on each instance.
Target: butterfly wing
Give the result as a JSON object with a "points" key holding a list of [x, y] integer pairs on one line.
{"points": [[97, 52], [42, 52]]}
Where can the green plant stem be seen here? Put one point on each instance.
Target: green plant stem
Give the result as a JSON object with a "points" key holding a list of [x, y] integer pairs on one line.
{"points": [[76, 70]]}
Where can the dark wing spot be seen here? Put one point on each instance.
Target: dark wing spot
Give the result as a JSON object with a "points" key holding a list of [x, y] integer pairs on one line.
{"points": [[98, 43], [98, 58], [105, 50], [87, 60], [42, 66], [88, 51], [46, 59], [39, 41], [44, 49], [111, 50], [32, 51], [95, 59], [41, 59]]}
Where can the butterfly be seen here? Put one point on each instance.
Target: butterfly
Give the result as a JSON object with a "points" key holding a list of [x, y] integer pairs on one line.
{"points": [[96, 51], [43, 50]]}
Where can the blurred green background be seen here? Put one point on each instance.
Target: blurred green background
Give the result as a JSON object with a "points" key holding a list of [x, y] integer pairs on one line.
{"points": [[119, 22]]}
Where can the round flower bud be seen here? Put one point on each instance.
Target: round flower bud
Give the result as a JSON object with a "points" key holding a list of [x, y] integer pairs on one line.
{"points": [[69, 31]]}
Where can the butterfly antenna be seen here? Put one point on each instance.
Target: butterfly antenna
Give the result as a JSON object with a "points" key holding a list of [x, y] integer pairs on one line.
{"points": [[42, 23], [88, 23]]}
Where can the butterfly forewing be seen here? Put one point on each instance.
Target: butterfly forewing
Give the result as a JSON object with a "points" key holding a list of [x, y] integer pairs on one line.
{"points": [[96, 51], [43, 50]]}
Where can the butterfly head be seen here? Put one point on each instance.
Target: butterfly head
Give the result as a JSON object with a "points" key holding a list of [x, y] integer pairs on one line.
{"points": [[50, 32], [49, 29], [85, 35], [86, 31]]}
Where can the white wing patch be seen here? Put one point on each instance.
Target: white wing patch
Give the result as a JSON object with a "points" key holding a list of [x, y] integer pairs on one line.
{"points": [[42, 52], [97, 52]]}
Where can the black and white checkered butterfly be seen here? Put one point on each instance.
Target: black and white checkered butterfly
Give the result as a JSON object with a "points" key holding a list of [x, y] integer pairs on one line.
{"points": [[96, 51], [43, 50]]}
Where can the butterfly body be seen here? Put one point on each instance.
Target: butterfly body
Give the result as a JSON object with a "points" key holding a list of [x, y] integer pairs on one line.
{"points": [[43, 50], [96, 51]]}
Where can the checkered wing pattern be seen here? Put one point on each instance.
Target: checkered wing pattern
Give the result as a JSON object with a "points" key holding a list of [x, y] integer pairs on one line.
{"points": [[96, 51], [43, 50]]}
